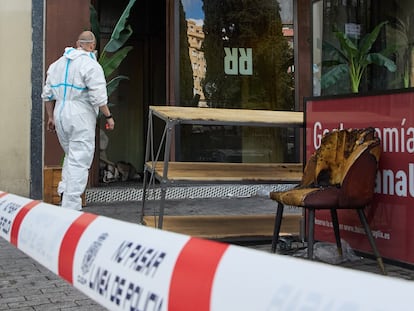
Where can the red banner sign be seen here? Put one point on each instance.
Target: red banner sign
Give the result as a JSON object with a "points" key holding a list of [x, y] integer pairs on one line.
{"points": [[391, 216]]}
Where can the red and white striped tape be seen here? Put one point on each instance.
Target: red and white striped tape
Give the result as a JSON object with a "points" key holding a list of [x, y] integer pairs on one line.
{"points": [[125, 266]]}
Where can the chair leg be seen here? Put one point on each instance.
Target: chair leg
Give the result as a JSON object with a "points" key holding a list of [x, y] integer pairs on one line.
{"points": [[364, 222], [311, 232], [335, 223], [278, 223]]}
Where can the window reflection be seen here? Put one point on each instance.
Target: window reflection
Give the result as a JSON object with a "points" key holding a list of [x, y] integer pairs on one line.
{"points": [[236, 54], [389, 61], [195, 36]]}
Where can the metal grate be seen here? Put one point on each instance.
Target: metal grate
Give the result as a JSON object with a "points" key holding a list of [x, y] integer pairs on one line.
{"points": [[120, 194]]}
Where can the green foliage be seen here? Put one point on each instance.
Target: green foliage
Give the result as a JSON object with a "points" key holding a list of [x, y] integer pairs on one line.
{"points": [[112, 85], [121, 32], [110, 63], [402, 33], [114, 51], [352, 58]]}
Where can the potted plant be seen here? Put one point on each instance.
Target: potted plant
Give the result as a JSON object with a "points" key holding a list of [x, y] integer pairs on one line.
{"points": [[353, 57]]}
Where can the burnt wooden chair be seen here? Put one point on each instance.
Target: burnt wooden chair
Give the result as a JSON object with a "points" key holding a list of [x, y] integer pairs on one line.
{"points": [[340, 174]]}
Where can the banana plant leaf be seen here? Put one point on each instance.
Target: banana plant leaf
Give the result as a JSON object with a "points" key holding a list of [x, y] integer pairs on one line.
{"points": [[112, 85], [334, 75], [381, 60], [114, 51], [348, 47], [367, 42], [110, 63], [333, 53], [121, 32]]}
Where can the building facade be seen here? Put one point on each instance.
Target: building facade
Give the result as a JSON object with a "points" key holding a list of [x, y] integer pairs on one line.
{"points": [[243, 61], [21, 67], [198, 63]]}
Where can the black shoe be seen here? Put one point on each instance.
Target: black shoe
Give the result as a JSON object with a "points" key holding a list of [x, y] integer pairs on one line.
{"points": [[61, 198]]}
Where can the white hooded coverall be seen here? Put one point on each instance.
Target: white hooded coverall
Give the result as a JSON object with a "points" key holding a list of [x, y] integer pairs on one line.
{"points": [[77, 83]]}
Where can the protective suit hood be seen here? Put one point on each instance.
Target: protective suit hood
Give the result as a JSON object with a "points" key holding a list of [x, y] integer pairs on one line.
{"points": [[72, 53]]}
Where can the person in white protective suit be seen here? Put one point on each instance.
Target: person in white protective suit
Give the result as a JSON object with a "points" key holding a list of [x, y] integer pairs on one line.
{"points": [[74, 92]]}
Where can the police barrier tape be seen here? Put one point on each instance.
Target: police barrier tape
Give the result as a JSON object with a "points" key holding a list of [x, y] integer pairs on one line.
{"points": [[125, 266]]}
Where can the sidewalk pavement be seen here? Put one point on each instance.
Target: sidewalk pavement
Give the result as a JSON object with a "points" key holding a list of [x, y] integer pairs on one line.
{"points": [[25, 285]]}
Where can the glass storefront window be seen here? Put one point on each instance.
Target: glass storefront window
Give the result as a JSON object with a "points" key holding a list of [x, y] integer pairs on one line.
{"points": [[386, 64], [235, 54]]}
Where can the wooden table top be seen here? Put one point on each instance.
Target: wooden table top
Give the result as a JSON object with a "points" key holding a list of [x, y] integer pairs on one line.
{"points": [[217, 171], [195, 115]]}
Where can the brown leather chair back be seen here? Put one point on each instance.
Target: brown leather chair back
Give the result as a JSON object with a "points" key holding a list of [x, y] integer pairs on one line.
{"points": [[347, 159]]}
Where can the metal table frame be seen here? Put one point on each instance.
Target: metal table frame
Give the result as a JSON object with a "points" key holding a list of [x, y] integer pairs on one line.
{"points": [[173, 116]]}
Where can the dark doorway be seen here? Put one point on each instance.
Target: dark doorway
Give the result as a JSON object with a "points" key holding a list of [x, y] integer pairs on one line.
{"points": [[145, 66]]}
